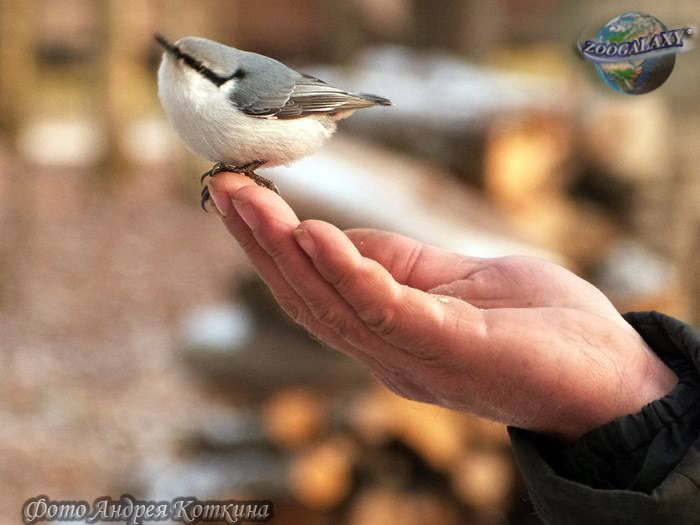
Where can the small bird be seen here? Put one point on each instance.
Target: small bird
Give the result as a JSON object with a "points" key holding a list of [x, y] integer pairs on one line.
{"points": [[243, 110]]}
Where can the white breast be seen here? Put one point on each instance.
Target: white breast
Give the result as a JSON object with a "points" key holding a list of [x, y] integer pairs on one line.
{"points": [[214, 129]]}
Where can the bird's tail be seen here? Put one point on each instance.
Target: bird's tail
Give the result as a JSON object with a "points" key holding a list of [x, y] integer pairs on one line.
{"points": [[380, 101]]}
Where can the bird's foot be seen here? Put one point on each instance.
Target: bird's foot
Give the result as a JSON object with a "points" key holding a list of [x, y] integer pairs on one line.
{"points": [[262, 181], [247, 169], [226, 166]]}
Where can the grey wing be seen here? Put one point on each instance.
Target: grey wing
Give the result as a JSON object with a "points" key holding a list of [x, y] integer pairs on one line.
{"points": [[270, 89], [264, 87], [313, 96]]}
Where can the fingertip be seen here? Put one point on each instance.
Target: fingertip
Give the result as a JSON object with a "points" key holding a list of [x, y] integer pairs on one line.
{"points": [[272, 210], [222, 201], [228, 182], [327, 238], [312, 226]]}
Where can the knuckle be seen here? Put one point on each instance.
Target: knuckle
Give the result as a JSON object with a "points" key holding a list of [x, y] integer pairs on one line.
{"points": [[401, 380], [292, 308], [428, 354], [273, 249], [364, 273], [383, 321], [361, 337], [387, 370], [406, 389], [273, 240], [345, 281], [334, 319], [248, 244], [411, 261]]}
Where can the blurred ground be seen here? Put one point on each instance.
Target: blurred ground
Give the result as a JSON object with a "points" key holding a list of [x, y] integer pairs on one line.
{"points": [[92, 298]]}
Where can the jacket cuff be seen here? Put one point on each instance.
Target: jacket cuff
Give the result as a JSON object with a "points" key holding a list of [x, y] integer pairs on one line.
{"points": [[641, 468]]}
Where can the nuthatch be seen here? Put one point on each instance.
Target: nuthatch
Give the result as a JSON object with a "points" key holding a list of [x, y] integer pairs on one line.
{"points": [[243, 110]]}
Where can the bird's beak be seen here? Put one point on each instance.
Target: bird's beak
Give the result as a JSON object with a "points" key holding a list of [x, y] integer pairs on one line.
{"points": [[167, 46]]}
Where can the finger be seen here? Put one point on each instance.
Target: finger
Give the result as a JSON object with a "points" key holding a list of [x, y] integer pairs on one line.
{"points": [[412, 262], [504, 282], [399, 314], [273, 223], [329, 318], [222, 188]]}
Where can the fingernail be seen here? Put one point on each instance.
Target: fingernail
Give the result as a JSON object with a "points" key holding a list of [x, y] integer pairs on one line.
{"points": [[306, 241], [222, 202], [247, 213]]}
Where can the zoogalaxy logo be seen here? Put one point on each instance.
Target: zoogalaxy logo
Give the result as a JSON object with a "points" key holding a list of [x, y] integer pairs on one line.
{"points": [[634, 53], [593, 50]]}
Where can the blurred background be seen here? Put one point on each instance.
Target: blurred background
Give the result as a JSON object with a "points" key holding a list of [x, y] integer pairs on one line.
{"points": [[140, 354]]}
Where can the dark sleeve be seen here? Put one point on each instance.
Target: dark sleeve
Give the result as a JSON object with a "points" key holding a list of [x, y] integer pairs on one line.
{"points": [[642, 468]]}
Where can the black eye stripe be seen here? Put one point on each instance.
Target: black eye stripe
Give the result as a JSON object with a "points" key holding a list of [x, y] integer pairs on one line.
{"points": [[203, 70]]}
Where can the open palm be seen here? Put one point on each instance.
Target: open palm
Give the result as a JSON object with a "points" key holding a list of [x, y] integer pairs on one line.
{"points": [[515, 339]]}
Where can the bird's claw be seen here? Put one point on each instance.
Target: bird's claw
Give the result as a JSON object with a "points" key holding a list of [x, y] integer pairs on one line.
{"points": [[204, 198], [248, 170]]}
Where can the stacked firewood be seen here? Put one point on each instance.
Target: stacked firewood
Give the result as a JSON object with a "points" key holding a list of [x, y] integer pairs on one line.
{"points": [[385, 459], [598, 194]]}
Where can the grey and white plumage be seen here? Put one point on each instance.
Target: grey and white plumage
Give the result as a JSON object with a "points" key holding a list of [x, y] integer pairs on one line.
{"points": [[239, 107]]}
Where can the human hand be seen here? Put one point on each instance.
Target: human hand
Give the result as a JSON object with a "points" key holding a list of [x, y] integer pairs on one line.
{"points": [[515, 339]]}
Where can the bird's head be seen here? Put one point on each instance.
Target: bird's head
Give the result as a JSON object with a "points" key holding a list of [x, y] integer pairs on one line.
{"points": [[213, 61]]}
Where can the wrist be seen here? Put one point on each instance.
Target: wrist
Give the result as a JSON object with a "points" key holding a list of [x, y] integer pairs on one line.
{"points": [[657, 381], [646, 380]]}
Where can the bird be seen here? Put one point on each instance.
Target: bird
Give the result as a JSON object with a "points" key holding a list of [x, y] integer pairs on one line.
{"points": [[243, 110]]}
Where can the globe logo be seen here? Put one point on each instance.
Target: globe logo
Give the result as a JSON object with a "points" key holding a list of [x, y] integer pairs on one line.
{"points": [[634, 53]]}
